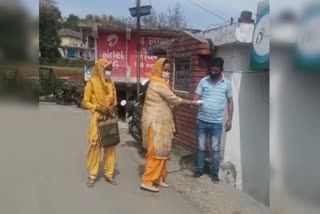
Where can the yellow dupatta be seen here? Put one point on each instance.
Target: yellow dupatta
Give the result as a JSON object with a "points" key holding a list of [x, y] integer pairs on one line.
{"points": [[160, 145], [102, 88], [104, 93], [157, 70]]}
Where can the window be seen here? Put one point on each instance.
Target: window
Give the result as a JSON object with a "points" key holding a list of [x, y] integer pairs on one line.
{"points": [[91, 42], [182, 74]]}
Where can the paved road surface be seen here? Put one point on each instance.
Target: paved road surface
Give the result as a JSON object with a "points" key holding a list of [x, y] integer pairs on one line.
{"points": [[45, 172]]}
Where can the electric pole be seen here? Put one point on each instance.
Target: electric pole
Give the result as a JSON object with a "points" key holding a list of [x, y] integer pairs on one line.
{"points": [[138, 50], [139, 11]]}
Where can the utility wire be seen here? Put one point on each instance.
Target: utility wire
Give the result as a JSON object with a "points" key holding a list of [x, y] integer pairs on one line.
{"points": [[216, 15], [154, 13]]}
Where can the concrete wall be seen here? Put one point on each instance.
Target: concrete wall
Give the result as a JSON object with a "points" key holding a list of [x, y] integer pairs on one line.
{"points": [[246, 146], [230, 34], [68, 41], [294, 130]]}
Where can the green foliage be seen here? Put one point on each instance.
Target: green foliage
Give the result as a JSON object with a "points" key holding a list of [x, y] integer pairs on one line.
{"points": [[49, 24], [72, 22], [173, 18], [63, 62]]}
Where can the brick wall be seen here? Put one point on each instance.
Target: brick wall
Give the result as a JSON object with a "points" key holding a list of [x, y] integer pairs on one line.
{"points": [[185, 116]]}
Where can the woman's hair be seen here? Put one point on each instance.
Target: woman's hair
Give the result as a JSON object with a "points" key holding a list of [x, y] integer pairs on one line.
{"points": [[167, 62]]}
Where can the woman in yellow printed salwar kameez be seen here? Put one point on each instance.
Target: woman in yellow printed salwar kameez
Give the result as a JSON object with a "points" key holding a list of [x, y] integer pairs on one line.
{"points": [[101, 99], [158, 125]]}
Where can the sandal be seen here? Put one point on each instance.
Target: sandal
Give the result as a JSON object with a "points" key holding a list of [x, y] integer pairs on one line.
{"points": [[111, 180], [91, 182], [149, 188], [163, 184]]}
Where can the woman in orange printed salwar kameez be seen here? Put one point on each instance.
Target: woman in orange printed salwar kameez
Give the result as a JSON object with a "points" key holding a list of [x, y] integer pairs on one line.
{"points": [[158, 125], [101, 99]]}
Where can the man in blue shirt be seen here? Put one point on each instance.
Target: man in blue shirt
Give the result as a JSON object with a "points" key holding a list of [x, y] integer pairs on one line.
{"points": [[215, 91]]}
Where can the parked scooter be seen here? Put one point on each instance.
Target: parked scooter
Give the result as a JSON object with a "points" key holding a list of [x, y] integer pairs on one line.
{"points": [[134, 110], [68, 95]]}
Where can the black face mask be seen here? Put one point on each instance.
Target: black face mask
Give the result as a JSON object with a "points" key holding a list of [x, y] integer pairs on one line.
{"points": [[213, 76]]}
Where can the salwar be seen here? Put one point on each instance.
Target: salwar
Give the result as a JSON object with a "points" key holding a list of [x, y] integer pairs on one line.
{"points": [[156, 168], [155, 172], [93, 160]]}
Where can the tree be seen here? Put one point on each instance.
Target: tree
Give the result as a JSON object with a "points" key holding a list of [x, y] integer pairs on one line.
{"points": [[49, 24], [89, 18], [173, 18], [52, 6], [108, 20], [72, 22]]}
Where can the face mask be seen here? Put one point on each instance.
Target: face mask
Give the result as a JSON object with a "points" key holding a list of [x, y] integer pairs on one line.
{"points": [[213, 75], [107, 74], [165, 75]]}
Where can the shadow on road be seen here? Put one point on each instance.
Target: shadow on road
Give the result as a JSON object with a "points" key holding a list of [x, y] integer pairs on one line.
{"points": [[141, 170], [140, 150]]}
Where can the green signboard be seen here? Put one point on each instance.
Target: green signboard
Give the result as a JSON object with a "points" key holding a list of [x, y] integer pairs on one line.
{"points": [[260, 53]]}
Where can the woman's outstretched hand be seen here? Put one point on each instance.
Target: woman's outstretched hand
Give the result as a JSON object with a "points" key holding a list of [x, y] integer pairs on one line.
{"points": [[197, 103]]}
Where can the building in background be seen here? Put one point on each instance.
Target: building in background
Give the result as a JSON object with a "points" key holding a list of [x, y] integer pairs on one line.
{"points": [[120, 46], [73, 45]]}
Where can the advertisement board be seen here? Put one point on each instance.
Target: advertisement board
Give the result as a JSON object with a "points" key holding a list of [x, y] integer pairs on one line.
{"points": [[123, 54], [260, 53]]}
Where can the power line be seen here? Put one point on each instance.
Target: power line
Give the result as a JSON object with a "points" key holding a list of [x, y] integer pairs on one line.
{"points": [[221, 25], [216, 15], [154, 13]]}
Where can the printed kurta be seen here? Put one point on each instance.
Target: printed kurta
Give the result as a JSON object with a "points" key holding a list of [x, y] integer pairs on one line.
{"points": [[157, 114]]}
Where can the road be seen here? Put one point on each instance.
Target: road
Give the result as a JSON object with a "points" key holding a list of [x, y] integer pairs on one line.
{"points": [[42, 162]]}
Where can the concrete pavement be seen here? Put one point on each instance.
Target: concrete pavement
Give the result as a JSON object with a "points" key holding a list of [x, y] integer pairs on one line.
{"points": [[45, 172], [42, 162]]}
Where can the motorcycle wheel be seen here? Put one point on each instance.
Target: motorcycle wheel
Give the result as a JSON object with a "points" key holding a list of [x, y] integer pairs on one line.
{"points": [[134, 131], [77, 102], [58, 98]]}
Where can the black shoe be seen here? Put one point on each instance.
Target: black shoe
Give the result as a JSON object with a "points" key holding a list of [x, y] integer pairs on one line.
{"points": [[198, 174], [215, 179]]}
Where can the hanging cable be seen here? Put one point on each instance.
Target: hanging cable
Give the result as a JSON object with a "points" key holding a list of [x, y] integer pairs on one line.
{"points": [[216, 15]]}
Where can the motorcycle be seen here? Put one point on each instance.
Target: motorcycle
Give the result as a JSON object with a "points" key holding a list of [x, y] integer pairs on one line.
{"points": [[68, 95], [134, 110]]}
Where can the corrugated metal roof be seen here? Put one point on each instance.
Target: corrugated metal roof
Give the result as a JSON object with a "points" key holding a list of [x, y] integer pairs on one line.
{"points": [[160, 48], [71, 33]]}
